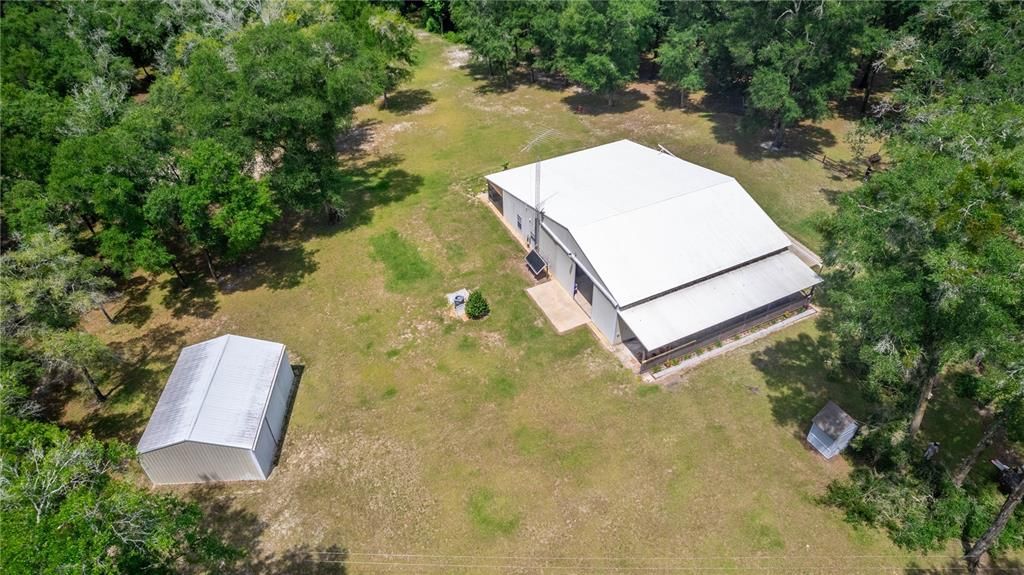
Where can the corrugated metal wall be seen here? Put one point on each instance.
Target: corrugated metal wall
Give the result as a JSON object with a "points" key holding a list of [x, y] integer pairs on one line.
{"points": [[605, 317], [512, 208], [277, 408], [272, 431], [266, 449], [192, 462], [560, 266], [567, 239]]}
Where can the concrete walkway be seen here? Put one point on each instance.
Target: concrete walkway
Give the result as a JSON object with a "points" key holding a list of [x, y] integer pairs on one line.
{"points": [[563, 313]]}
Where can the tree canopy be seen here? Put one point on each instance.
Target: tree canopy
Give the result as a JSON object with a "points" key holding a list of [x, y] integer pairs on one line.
{"points": [[154, 135], [141, 135], [65, 509], [923, 275]]}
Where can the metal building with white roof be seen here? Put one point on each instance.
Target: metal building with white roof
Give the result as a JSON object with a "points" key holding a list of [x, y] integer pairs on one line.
{"points": [[221, 415], [664, 255]]}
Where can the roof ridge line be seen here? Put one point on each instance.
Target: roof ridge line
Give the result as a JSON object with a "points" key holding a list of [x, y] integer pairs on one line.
{"points": [[715, 274], [209, 384]]}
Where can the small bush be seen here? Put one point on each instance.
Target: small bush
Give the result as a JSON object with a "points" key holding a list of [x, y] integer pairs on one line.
{"points": [[476, 305], [455, 37]]}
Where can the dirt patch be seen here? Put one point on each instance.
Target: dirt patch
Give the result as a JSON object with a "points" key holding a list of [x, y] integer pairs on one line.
{"points": [[371, 138], [399, 127], [493, 340], [417, 331], [381, 474], [457, 57]]}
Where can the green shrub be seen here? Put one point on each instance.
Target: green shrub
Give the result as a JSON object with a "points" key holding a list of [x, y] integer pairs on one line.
{"points": [[476, 305], [455, 37]]}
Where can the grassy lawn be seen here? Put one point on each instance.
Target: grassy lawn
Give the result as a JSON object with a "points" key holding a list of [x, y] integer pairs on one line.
{"points": [[497, 445]]}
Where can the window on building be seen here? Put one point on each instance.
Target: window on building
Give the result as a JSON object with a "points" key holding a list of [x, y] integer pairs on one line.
{"points": [[519, 221]]}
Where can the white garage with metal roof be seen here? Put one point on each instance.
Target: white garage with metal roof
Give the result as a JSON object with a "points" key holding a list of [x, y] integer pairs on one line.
{"points": [[664, 255], [222, 414]]}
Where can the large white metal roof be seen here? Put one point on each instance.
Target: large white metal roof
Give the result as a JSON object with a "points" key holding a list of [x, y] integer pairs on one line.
{"points": [[687, 311], [648, 221], [217, 393]]}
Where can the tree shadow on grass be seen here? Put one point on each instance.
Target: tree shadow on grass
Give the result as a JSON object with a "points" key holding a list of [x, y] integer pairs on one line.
{"points": [[135, 311], [490, 82], [954, 422], [371, 184], [591, 104], [352, 144], [243, 530], [123, 426], [832, 196], [493, 82], [137, 379], [284, 261], [405, 102], [198, 298], [279, 265], [159, 345], [802, 140], [848, 108], [667, 98], [800, 384], [53, 394]]}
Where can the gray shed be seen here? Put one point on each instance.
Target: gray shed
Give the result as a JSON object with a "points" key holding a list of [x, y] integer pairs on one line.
{"points": [[221, 416], [831, 430]]}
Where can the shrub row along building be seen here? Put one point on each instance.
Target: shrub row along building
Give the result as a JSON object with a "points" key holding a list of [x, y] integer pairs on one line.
{"points": [[665, 256]]}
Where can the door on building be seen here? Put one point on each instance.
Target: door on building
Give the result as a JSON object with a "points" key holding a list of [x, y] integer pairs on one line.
{"points": [[584, 292], [494, 194]]}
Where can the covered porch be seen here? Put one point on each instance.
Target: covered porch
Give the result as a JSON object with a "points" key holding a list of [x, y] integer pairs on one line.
{"points": [[694, 317]]}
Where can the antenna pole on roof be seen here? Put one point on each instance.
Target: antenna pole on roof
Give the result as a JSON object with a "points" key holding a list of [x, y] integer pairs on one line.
{"points": [[536, 201], [542, 136]]}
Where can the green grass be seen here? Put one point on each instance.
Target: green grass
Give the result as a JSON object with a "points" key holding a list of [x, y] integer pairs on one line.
{"points": [[405, 266], [761, 533], [501, 387], [531, 441], [492, 514], [467, 343], [645, 390], [543, 444], [404, 414]]}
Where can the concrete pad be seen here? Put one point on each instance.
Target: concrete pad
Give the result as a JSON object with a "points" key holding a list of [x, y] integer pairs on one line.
{"points": [[563, 313], [458, 309]]}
